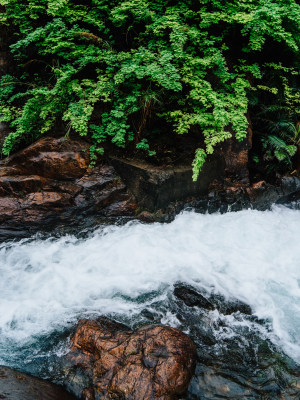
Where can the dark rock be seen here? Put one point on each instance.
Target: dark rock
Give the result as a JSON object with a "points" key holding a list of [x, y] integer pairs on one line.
{"points": [[234, 306], [15, 385], [259, 195], [20, 185], [108, 361], [88, 394], [229, 306], [235, 361], [236, 156], [146, 216], [192, 298], [156, 187]]}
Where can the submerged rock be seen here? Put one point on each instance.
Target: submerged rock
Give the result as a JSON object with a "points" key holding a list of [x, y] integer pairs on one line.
{"points": [[235, 360], [192, 298], [110, 361], [15, 385]]}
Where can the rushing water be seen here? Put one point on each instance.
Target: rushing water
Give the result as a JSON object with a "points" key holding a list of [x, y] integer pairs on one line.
{"points": [[46, 285]]}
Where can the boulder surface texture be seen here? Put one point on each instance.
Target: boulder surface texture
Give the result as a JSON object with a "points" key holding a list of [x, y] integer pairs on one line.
{"points": [[153, 362]]}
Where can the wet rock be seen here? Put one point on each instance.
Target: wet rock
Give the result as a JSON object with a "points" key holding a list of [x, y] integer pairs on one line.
{"points": [[233, 306], [49, 185], [19, 185], [47, 199], [236, 374], [229, 306], [260, 195], [192, 298], [235, 361], [15, 385], [9, 171], [58, 159], [109, 361], [155, 187]]}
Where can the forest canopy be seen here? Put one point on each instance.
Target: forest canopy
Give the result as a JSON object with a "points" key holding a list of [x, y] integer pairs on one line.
{"points": [[106, 68]]}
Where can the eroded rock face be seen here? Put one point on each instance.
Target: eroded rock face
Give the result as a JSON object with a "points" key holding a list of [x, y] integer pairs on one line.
{"points": [[59, 159], [155, 187], [49, 184], [15, 385], [154, 362]]}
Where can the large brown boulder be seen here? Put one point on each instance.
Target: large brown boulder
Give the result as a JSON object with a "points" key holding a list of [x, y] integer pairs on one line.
{"points": [[153, 362]]}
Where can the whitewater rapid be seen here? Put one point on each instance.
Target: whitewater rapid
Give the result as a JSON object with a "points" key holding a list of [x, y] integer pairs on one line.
{"points": [[47, 284]]}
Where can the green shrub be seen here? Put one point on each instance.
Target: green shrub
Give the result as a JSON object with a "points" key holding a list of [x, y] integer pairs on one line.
{"points": [[191, 63]]}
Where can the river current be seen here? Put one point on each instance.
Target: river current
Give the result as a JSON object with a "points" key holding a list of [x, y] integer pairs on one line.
{"points": [[121, 271]]}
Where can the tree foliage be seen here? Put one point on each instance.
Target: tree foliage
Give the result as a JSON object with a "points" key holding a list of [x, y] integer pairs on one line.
{"points": [[106, 67]]}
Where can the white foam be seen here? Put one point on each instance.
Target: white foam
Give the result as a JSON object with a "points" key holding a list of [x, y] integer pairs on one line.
{"points": [[251, 255]]}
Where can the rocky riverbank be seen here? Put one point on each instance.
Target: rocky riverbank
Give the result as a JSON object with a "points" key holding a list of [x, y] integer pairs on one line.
{"points": [[49, 187]]}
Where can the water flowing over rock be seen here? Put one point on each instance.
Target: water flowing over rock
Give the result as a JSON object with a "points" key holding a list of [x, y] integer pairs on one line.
{"points": [[232, 363], [109, 361], [15, 385], [192, 298]]}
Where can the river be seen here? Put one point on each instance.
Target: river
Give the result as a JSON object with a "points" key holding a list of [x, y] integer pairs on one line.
{"points": [[128, 271]]}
